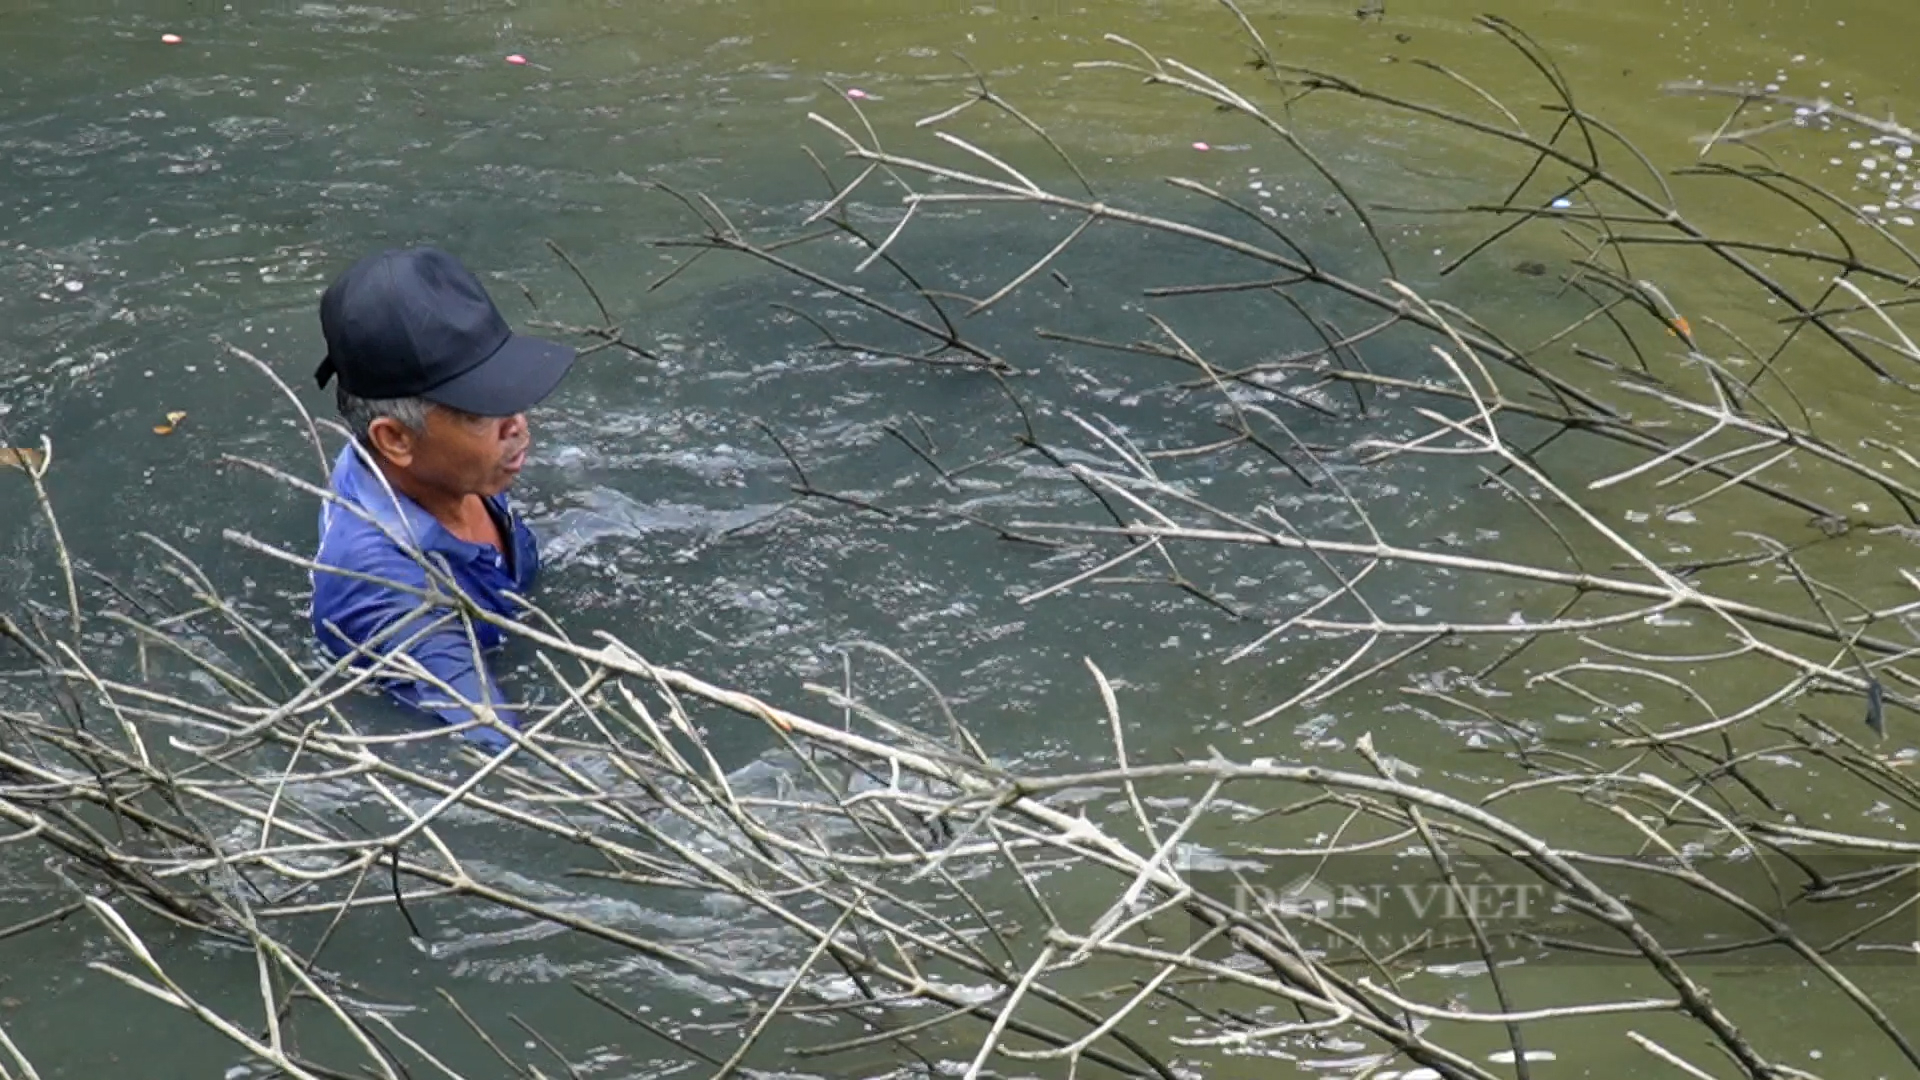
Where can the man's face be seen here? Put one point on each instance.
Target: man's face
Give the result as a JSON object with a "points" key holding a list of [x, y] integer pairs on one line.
{"points": [[461, 454]]}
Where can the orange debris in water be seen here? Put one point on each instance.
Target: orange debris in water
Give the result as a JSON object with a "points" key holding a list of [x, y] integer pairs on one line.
{"points": [[21, 457]]}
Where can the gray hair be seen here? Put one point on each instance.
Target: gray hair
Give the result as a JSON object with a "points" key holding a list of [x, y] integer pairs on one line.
{"points": [[359, 413]]}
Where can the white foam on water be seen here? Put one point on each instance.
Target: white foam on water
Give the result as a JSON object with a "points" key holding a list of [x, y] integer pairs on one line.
{"points": [[1505, 1057]]}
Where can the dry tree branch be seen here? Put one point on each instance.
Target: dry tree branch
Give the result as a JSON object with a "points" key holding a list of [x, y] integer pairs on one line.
{"points": [[894, 852]]}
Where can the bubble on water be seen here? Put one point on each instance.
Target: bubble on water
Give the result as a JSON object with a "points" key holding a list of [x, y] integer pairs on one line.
{"points": [[1903, 152], [1869, 164]]}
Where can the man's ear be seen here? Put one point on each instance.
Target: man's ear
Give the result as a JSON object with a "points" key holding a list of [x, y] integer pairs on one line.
{"points": [[392, 440]]}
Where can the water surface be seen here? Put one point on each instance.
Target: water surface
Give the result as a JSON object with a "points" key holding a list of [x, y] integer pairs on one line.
{"points": [[157, 199]]}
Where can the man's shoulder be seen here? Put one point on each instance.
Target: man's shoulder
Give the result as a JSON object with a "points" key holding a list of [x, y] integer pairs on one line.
{"points": [[363, 520], [343, 530], [349, 543]]}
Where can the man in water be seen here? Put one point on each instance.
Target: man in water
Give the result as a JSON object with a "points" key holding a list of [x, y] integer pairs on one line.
{"points": [[434, 387]]}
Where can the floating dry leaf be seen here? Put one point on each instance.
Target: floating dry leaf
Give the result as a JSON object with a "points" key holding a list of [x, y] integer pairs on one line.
{"points": [[173, 419], [21, 457]]}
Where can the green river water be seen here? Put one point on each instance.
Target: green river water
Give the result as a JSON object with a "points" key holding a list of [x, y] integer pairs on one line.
{"points": [[155, 197]]}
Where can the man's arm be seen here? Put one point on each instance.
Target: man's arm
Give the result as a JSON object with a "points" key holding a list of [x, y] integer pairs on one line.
{"points": [[360, 611]]}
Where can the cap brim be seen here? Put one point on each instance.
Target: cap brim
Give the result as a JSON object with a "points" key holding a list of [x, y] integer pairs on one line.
{"points": [[518, 376]]}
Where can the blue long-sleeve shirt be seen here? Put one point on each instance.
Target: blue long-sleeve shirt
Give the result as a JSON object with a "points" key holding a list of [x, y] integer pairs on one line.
{"points": [[359, 610]]}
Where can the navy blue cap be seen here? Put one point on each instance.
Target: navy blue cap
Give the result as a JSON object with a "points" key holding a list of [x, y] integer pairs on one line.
{"points": [[416, 323]]}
